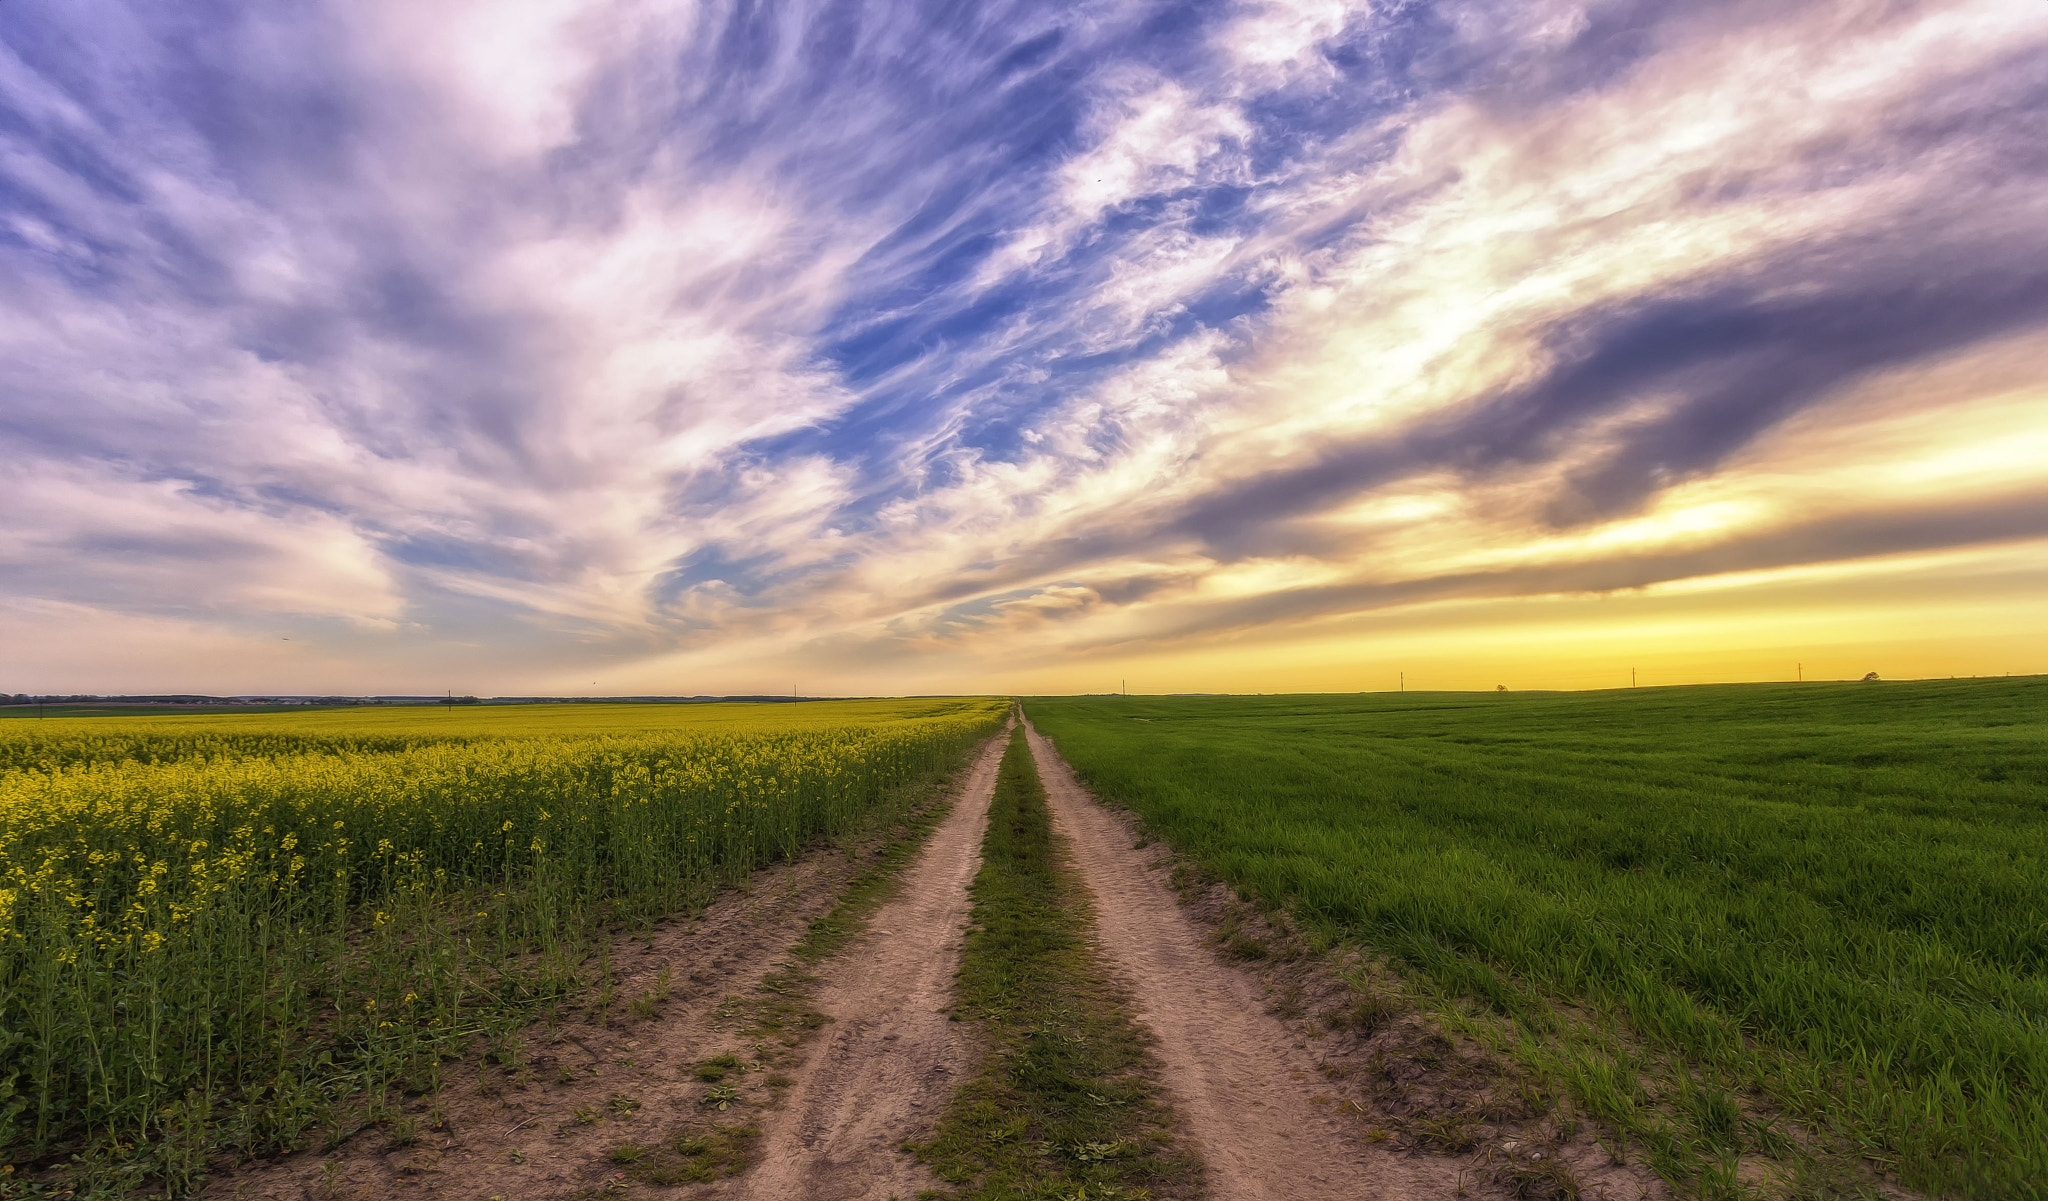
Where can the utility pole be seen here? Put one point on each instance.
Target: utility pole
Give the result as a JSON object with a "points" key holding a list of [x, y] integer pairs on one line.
{"points": [[1799, 671], [1631, 677], [451, 700], [1125, 685], [1404, 681]]}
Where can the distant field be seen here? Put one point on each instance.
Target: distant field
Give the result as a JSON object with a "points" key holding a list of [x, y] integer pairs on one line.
{"points": [[214, 929], [151, 737], [1827, 903]]}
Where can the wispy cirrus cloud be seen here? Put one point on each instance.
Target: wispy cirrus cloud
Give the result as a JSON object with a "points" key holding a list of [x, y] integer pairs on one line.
{"points": [[670, 345]]}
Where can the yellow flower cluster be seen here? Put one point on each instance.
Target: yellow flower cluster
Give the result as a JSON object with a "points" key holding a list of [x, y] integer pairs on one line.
{"points": [[182, 897]]}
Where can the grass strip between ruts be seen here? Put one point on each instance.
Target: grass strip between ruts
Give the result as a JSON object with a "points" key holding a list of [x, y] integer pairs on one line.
{"points": [[1063, 1104]]}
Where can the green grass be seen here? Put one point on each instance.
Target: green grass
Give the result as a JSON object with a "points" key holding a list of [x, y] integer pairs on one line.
{"points": [[1062, 1106], [696, 1153], [1827, 903]]}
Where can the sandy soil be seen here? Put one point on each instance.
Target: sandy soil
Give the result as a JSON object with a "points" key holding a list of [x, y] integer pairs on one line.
{"points": [[891, 1057]]}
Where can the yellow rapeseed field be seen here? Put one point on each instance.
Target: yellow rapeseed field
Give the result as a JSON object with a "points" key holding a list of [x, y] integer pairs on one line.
{"points": [[212, 928]]}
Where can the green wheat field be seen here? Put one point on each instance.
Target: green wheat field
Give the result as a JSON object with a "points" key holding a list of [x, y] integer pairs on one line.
{"points": [[1725, 919]]}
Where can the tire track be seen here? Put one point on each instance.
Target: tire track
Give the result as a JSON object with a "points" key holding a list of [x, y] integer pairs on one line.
{"points": [[892, 1055], [1239, 1079]]}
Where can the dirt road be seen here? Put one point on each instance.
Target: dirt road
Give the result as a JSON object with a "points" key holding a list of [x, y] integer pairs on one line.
{"points": [[891, 1057], [1239, 1079], [887, 1059]]}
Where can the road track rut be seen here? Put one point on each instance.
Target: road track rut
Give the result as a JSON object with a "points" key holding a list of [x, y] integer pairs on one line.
{"points": [[1241, 1081], [891, 1056]]}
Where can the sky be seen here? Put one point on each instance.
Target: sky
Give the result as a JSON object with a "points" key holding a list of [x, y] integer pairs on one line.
{"points": [[603, 347]]}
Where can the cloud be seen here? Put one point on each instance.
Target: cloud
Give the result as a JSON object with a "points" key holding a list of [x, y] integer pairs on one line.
{"points": [[1275, 43], [1149, 138], [684, 337], [82, 537]]}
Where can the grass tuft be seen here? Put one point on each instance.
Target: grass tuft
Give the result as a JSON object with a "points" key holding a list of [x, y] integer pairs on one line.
{"points": [[695, 1154]]}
